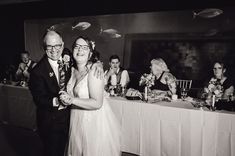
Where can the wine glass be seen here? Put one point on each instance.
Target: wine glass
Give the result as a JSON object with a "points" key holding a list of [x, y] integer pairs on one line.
{"points": [[183, 93]]}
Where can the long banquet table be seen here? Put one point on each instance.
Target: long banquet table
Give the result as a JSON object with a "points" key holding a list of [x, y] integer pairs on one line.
{"points": [[17, 107], [147, 129], [174, 129]]}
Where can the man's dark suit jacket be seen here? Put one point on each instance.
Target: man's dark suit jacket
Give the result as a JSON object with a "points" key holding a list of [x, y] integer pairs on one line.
{"points": [[50, 121]]}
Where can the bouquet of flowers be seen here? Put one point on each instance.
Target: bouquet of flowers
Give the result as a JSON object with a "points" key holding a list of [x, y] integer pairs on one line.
{"points": [[214, 87], [147, 80]]}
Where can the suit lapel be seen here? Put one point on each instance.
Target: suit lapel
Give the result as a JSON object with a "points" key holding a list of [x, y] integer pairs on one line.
{"points": [[50, 75]]}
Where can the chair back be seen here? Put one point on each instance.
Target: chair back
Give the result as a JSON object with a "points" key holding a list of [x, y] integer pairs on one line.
{"points": [[184, 84]]}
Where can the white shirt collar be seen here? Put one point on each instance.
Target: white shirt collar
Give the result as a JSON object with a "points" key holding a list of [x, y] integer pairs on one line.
{"points": [[28, 64], [53, 63]]}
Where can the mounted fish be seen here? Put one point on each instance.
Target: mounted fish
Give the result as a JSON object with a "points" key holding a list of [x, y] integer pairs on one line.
{"points": [[211, 32], [113, 33], [81, 26], [58, 26], [116, 35], [110, 31], [208, 13]]}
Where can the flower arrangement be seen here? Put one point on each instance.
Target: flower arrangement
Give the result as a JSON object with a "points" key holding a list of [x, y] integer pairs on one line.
{"points": [[66, 61], [93, 45], [147, 80], [214, 87]]}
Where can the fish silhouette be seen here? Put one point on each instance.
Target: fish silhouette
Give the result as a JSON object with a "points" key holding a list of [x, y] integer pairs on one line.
{"points": [[58, 26], [208, 13], [113, 33], [81, 26]]}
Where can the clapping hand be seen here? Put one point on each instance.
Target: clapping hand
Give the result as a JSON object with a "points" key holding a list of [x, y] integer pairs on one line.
{"points": [[26, 73], [65, 98], [111, 72]]}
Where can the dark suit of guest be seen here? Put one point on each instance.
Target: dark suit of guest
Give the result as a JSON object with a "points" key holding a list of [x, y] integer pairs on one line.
{"points": [[53, 124]]}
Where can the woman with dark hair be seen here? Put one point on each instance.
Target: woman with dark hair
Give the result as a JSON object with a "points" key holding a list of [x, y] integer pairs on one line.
{"points": [[219, 85], [94, 130]]}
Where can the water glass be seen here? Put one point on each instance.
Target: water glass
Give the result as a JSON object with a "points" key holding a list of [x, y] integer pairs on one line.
{"points": [[183, 93]]}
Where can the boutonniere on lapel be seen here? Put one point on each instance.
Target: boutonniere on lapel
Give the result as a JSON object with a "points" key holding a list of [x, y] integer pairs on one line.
{"points": [[51, 74], [66, 60]]}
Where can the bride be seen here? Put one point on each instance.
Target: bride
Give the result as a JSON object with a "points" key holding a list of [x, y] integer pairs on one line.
{"points": [[94, 130]]}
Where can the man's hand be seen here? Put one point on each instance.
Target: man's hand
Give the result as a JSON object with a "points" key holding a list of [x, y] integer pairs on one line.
{"points": [[22, 66], [65, 98], [99, 71], [26, 73], [111, 72]]}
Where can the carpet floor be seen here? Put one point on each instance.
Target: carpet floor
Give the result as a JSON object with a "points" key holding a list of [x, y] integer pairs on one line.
{"points": [[16, 141]]}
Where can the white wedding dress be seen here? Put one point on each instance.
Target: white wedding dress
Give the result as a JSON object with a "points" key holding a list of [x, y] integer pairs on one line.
{"points": [[92, 132]]}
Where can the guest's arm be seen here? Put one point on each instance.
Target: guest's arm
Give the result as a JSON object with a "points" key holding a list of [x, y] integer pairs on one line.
{"points": [[107, 75], [171, 82], [20, 70], [228, 92], [124, 78]]}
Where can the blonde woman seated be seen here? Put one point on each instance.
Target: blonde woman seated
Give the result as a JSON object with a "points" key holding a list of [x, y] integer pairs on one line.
{"points": [[164, 81]]}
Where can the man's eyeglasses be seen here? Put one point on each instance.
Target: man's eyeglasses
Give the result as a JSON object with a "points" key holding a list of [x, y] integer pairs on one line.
{"points": [[83, 47], [56, 47]]}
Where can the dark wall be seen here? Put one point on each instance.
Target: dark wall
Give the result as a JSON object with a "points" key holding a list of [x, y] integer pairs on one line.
{"points": [[12, 17]]}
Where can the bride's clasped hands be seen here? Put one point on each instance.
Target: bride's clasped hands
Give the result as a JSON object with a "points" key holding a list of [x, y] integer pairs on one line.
{"points": [[65, 98]]}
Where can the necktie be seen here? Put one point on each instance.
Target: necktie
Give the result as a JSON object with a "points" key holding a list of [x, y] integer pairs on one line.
{"points": [[61, 75]]}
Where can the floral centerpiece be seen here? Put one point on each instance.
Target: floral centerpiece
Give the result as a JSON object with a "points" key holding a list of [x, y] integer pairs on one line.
{"points": [[214, 88], [147, 80]]}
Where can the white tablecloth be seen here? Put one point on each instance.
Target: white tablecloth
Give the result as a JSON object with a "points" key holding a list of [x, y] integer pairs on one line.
{"points": [[17, 106], [174, 129], [161, 129]]}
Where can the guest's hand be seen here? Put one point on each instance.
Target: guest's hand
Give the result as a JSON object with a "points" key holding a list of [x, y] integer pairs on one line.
{"points": [[26, 73], [22, 66], [65, 98], [111, 72], [99, 71]]}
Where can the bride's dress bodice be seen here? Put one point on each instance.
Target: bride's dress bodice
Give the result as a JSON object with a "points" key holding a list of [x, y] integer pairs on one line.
{"points": [[78, 88]]}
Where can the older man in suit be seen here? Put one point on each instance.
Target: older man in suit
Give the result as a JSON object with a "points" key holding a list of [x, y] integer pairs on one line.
{"points": [[52, 122]]}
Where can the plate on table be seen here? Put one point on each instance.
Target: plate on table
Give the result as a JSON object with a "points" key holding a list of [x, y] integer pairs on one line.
{"points": [[133, 94], [133, 98]]}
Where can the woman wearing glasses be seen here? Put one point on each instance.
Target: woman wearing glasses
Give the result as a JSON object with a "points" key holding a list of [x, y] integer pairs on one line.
{"points": [[94, 130]]}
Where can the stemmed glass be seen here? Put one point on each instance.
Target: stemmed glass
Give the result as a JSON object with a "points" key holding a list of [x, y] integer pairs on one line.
{"points": [[183, 93]]}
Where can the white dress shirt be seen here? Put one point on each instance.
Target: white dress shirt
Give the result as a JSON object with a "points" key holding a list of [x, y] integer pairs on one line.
{"points": [[124, 78], [55, 68]]}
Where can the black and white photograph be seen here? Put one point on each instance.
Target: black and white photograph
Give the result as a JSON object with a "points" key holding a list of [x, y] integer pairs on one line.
{"points": [[109, 78]]}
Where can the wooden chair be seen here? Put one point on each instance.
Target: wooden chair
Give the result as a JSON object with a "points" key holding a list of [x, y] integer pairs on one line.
{"points": [[184, 84]]}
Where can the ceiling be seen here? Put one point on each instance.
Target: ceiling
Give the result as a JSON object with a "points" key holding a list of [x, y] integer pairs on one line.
{"points": [[6, 2]]}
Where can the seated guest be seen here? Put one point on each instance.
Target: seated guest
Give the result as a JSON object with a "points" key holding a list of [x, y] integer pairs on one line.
{"points": [[116, 75], [219, 85], [24, 68], [163, 80]]}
